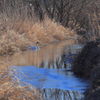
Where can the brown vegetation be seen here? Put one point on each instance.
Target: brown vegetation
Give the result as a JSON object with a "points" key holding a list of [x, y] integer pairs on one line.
{"points": [[25, 22], [19, 28], [28, 18], [23, 34], [11, 90], [80, 15]]}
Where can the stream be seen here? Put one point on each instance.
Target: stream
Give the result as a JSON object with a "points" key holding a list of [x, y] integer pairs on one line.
{"points": [[49, 70]]}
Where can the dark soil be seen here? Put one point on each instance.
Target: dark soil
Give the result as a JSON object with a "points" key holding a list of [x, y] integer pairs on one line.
{"points": [[87, 65], [87, 59]]}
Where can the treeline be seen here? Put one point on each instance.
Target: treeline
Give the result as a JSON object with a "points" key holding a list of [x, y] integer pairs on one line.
{"points": [[80, 15]]}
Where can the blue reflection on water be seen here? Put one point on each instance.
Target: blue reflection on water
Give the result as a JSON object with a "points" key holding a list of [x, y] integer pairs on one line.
{"points": [[50, 78], [33, 48]]}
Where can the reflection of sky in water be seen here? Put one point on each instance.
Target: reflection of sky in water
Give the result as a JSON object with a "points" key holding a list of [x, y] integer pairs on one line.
{"points": [[54, 84], [33, 48], [50, 78]]}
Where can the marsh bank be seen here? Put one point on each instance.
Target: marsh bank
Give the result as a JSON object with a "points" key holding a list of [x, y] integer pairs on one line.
{"points": [[49, 70]]}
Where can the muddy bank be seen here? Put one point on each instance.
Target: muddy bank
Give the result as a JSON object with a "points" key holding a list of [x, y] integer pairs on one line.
{"points": [[87, 65]]}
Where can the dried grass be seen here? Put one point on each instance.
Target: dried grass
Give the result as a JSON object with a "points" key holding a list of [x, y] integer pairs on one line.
{"points": [[49, 31], [16, 35], [10, 90], [17, 31]]}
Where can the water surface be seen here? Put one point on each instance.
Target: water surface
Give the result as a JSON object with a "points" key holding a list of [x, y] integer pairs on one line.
{"points": [[50, 78], [49, 70]]}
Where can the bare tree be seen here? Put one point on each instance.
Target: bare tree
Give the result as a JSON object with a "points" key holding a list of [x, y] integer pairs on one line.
{"points": [[80, 15]]}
